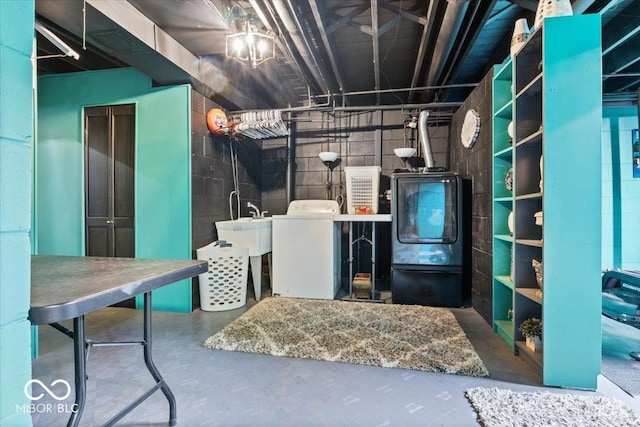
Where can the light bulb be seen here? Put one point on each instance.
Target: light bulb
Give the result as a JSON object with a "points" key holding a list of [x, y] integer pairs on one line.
{"points": [[262, 47], [238, 45]]}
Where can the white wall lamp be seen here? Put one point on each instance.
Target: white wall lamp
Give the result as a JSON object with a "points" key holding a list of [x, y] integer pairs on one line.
{"points": [[404, 154], [48, 34], [250, 46], [330, 160]]}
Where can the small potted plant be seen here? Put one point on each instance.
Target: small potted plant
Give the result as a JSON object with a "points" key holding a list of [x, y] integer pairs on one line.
{"points": [[532, 331]]}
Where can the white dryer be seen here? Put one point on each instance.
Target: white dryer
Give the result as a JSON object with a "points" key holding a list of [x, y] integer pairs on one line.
{"points": [[306, 250]]}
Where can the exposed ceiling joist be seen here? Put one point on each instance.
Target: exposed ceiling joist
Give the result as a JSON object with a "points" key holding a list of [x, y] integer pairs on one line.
{"points": [[621, 28], [346, 19], [330, 47], [580, 6], [531, 5], [422, 48], [409, 14], [435, 48]]}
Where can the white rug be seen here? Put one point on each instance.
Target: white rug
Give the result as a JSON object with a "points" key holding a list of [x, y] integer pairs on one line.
{"points": [[505, 408], [393, 336]]}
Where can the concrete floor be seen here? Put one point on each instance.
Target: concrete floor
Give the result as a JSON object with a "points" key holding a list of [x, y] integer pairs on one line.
{"points": [[218, 388]]}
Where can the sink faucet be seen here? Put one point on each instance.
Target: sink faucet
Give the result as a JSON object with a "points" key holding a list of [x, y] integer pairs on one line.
{"points": [[256, 212]]}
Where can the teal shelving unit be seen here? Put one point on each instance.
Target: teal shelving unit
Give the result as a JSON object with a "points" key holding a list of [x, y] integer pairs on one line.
{"points": [[556, 107], [502, 202]]}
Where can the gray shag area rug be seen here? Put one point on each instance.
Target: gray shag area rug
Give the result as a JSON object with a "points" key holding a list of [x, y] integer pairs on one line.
{"points": [[506, 408], [392, 336]]}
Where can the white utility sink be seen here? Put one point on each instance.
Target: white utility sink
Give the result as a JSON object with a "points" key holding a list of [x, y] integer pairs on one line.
{"points": [[252, 233]]}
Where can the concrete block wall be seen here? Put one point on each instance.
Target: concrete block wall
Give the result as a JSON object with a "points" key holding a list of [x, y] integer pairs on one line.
{"points": [[16, 135], [620, 191], [361, 139], [474, 165], [212, 177]]}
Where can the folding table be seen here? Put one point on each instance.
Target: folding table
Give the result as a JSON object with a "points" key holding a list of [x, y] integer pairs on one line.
{"points": [[68, 287]]}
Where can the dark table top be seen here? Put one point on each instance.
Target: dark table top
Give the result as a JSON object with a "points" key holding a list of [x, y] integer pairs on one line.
{"points": [[65, 287]]}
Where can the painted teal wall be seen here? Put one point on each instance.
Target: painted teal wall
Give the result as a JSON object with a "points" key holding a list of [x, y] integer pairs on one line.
{"points": [[162, 169], [16, 130], [620, 191]]}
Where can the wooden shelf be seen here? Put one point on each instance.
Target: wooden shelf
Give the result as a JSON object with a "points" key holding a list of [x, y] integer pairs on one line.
{"points": [[505, 237], [529, 242], [531, 293], [505, 280], [533, 87], [503, 199], [505, 111], [504, 152], [533, 358], [534, 138], [529, 196]]}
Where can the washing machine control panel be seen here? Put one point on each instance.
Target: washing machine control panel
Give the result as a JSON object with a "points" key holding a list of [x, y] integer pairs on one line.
{"points": [[313, 207]]}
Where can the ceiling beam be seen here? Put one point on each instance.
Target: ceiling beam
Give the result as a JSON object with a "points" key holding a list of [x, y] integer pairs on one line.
{"points": [[329, 45], [475, 24], [422, 48], [346, 19], [308, 50], [391, 23], [409, 14], [621, 28], [262, 8], [531, 5], [625, 57], [360, 27], [579, 6], [451, 24]]}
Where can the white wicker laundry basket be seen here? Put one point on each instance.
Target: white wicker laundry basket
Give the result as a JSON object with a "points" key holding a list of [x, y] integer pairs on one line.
{"points": [[363, 183], [224, 285]]}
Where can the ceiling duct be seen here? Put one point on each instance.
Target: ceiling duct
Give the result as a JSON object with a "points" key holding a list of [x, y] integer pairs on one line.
{"points": [[446, 35], [302, 46], [425, 143]]}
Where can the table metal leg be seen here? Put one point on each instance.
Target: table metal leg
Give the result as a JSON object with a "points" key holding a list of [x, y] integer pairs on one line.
{"points": [[80, 362], [148, 360]]}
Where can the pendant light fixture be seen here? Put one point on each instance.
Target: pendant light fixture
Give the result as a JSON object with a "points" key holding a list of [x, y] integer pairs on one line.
{"points": [[250, 46]]}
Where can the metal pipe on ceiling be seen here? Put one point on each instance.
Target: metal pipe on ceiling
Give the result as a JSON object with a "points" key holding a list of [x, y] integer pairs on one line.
{"points": [[455, 52], [376, 47], [451, 23], [282, 45], [312, 48], [407, 89], [427, 105], [300, 44], [328, 45], [422, 49]]}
